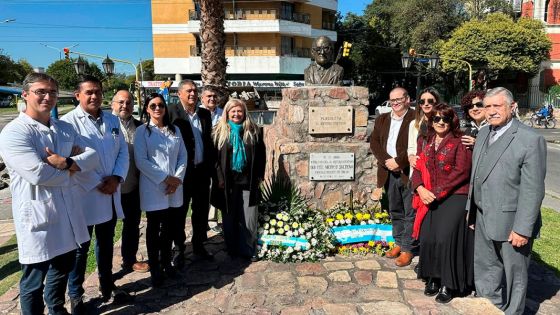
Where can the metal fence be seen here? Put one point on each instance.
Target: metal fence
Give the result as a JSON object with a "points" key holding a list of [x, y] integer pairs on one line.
{"points": [[535, 98]]}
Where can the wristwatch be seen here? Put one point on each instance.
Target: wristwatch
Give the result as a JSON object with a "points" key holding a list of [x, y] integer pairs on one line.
{"points": [[69, 163]]}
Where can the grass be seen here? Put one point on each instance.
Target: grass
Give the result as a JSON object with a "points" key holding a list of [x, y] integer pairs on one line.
{"points": [[545, 249], [10, 269], [62, 109]]}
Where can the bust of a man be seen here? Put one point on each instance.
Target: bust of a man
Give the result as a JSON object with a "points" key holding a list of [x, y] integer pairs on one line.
{"points": [[323, 71]]}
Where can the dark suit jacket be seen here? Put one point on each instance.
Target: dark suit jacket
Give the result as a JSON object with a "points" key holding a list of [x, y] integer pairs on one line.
{"points": [[378, 145], [180, 119]]}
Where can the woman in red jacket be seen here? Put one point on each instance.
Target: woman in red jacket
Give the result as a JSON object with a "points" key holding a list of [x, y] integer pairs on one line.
{"points": [[443, 231]]}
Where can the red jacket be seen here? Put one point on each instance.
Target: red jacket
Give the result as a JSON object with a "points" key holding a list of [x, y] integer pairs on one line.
{"points": [[449, 166]]}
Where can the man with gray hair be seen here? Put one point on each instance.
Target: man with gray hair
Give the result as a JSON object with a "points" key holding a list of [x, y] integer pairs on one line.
{"points": [[506, 192]]}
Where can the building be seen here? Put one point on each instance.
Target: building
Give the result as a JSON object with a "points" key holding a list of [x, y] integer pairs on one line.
{"points": [[267, 42]]}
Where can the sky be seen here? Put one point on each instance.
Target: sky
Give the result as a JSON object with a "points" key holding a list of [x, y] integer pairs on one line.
{"points": [[118, 28]]}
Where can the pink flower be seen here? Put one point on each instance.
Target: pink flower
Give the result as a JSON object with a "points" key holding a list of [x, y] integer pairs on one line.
{"points": [[447, 167], [441, 157], [449, 146]]}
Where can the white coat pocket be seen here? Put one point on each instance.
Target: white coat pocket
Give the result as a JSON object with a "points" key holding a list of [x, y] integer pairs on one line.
{"points": [[38, 215]]}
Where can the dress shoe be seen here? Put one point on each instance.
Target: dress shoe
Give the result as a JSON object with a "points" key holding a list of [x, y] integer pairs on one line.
{"points": [[444, 296], [77, 306], [394, 252], [404, 259], [432, 287], [141, 266], [156, 277]]}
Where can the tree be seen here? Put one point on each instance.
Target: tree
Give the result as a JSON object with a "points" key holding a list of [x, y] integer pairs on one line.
{"points": [[148, 74], [63, 71], [13, 72], [212, 35], [478, 9], [499, 44]]}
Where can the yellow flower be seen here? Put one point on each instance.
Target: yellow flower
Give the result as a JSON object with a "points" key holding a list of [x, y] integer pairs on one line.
{"points": [[359, 216], [371, 243], [329, 220], [367, 216], [348, 215], [295, 225], [339, 216], [378, 215]]}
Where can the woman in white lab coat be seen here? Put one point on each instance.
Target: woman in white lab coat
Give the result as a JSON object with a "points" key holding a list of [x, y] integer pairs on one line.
{"points": [[161, 157]]}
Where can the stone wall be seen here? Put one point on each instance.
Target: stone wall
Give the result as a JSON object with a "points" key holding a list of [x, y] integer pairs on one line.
{"points": [[289, 144]]}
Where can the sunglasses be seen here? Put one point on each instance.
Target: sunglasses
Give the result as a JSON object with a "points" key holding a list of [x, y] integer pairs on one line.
{"points": [[154, 106], [429, 101], [477, 104], [445, 120]]}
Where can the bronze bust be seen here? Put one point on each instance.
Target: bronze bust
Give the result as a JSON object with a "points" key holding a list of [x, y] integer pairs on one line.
{"points": [[323, 71]]}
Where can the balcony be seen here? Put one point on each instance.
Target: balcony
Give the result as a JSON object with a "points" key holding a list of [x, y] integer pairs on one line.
{"points": [[257, 14], [248, 51]]}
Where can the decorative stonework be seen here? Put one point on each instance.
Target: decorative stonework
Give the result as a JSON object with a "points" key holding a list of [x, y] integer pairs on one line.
{"points": [[289, 143]]}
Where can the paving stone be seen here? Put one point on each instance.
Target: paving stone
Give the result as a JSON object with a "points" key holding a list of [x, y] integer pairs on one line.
{"points": [[343, 265], [422, 304], [414, 284], [295, 310], [312, 285], [10, 295], [308, 269], [204, 296], [337, 309], [200, 278], [406, 274], [248, 299], [251, 281], [279, 278], [370, 264], [367, 294], [340, 276], [344, 292], [385, 307], [386, 279], [474, 306], [363, 277], [7, 307], [280, 290], [259, 266]]}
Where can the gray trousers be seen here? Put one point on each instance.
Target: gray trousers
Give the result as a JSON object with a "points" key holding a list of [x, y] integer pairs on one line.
{"points": [[402, 214], [240, 224], [500, 270]]}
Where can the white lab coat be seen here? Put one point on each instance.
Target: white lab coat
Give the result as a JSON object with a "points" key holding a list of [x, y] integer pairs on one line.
{"points": [[48, 220], [157, 155], [113, 156]]}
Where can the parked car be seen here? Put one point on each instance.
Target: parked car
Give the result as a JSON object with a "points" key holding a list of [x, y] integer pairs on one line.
{"points": [[385, 107]]}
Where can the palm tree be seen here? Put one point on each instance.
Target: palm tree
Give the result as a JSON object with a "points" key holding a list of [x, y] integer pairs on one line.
{"points": [[213, 39]]}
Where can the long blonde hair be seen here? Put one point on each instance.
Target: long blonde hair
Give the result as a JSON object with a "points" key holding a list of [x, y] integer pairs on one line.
{"points": [[221, 132]]}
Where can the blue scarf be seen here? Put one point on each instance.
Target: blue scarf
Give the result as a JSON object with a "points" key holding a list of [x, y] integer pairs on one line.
{"points": [[238, 158]]}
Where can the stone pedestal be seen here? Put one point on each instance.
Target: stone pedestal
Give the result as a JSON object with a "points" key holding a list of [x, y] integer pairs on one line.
{"points": [[289, 144]]}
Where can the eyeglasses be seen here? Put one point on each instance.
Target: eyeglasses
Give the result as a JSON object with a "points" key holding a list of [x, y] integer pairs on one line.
{"points": [[428, 102], [445, 120], [398, 100], [477, 104], [125, 103], [43, 93], [322, 49], [154, 106]]}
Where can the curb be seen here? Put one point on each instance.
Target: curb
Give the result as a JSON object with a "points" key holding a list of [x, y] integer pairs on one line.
{"points": [[552, 194]]}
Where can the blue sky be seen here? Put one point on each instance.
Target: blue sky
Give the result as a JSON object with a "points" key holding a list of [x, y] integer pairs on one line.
{"points": [[120, 28]]}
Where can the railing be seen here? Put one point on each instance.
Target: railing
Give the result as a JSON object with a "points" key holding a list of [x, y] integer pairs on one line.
{"points": [[257, 14], [235, 51]]}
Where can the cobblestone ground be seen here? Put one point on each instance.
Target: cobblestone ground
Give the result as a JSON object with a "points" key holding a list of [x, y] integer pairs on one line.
{"points": [[337, 285]]}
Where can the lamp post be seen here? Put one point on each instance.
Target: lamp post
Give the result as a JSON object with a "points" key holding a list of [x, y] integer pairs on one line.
{"points": [[433, 60], [407, 60]]}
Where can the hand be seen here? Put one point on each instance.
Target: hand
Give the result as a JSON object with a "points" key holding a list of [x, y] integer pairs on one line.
{"points": [[517, 240], [76, 150], [171, 184], [392, 165], [376, 194], [468, 141], [426, 196], [412, 160], [109, 185], [55, 160]]}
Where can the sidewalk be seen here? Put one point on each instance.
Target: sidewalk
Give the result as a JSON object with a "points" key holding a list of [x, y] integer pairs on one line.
{"points": [[337, 285]]}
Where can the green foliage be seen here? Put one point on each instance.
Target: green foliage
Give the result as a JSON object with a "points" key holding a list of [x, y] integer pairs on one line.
{"points": [[63, 71], [478, 9], [497, 43], [279, 193], [11, 71], [147, 73]]}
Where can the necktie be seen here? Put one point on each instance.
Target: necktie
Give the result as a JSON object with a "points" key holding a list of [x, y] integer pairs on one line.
{"points": [[492, 137]]}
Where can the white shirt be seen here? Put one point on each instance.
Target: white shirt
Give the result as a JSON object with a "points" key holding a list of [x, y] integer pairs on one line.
{"points": [[159, 154], [499, 131], [215, 115], [48, 219], [396, 123], [112, 149]]}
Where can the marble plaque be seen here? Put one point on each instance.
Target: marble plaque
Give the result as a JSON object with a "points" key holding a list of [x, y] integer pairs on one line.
{"points": [[331, 166], [330, 119]]}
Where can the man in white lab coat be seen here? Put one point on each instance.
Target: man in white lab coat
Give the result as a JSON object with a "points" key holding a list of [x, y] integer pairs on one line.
{"points": [[99, 189], [43, 155]]}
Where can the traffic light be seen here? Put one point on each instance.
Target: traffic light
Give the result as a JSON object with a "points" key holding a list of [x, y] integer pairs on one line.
{"points": [[66, 53], [412, 52], [346, 49]]}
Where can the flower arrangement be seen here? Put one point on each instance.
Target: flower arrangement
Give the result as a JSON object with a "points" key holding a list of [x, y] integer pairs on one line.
{"points": [[375, 247], [343, 214]]}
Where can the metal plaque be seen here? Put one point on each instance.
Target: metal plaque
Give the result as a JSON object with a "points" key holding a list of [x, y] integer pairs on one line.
{"points": [[330, 119], [331, 166]]}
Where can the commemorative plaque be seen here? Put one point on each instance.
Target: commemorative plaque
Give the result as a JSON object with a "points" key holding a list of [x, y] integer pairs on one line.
{"points": [[330, 119], [331, 166]]}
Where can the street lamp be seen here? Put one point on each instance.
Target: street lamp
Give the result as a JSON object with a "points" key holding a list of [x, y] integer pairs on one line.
{"points": [[406, 60], [80, 66], [434, 61], [108, 66]]}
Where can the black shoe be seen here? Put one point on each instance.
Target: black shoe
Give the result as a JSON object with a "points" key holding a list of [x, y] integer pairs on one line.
{"points": [[157, 279], [77, 306], [432, 287], [444, 296], [202, 253], [254, 258]]}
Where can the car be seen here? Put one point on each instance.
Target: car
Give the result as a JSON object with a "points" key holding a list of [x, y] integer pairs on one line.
{"points": [[385, 107]]}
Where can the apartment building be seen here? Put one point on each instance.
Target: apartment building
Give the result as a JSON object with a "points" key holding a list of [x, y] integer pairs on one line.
{"points": [[268, 43]]}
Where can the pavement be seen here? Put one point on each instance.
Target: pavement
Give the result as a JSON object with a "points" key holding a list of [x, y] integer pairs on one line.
{"points": [[337, 285]]}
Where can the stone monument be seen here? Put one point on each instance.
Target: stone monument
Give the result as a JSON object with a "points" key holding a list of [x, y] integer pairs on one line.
{"points": [[318, 140]]}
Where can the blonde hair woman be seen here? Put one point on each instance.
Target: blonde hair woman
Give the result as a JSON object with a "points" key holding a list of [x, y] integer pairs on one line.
{"points": [[240, 167]]}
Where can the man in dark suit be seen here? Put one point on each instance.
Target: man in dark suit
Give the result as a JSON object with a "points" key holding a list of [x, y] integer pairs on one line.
{"points": [[506, 192], [195, 124], [389, 142]]}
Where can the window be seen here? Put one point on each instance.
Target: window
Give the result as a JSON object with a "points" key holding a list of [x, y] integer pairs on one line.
{"points": [[286, 46]]}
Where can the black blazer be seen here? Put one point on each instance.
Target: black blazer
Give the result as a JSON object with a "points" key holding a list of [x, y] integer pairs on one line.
{"points": [[180, 119]]}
